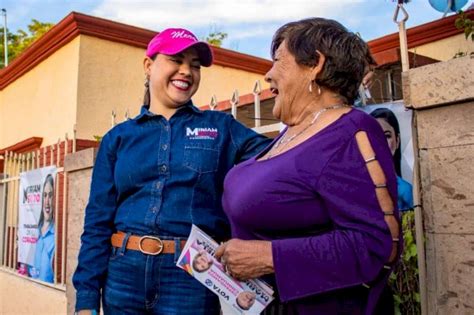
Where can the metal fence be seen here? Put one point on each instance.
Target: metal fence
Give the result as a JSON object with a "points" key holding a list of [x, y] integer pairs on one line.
{"points": [[235, 103]]}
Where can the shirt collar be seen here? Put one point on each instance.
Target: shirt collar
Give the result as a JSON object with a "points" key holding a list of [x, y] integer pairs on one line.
{"points": [[50, 230], [145, 112]]}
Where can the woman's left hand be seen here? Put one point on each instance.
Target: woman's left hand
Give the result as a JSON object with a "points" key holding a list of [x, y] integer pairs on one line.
{"points": [[246, 259]]}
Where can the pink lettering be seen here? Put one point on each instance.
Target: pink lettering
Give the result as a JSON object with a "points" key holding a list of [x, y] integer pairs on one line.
{"points": [[33, 198], [182, 34], [29, 239], [223, 281]]}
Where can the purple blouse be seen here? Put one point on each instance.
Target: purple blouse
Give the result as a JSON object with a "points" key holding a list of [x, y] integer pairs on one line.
{"points": [[317, 204]]}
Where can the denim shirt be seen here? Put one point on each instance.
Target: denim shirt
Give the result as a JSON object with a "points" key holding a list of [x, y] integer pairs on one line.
{"points": [[154, 176]]}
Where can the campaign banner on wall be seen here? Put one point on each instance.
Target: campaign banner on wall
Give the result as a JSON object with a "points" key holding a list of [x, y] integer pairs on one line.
{"points": [[36, 222], [396, 122], [404, 118]]}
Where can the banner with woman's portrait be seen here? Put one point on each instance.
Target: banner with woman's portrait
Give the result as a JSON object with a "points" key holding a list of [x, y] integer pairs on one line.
{"points": [[36, 225], [395, 121]]}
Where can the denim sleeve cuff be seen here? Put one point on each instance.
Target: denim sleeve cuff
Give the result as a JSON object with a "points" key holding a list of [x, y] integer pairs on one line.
{"points": [[87, 300]]}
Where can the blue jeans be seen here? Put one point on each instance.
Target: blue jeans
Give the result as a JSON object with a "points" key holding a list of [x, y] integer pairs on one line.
{"points": [[143, 284]]}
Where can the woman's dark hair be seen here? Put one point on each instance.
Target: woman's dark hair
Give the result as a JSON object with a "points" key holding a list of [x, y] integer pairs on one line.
{"points": [[387, 115], [348, 57], [48, 180], [146, 96]]}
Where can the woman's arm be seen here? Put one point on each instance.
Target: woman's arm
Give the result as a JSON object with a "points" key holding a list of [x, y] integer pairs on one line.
{"points": [[246, 141]]}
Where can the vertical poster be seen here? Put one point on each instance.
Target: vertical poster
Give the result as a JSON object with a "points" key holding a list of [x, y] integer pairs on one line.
{"points": [[395, 120], [36, 226]]}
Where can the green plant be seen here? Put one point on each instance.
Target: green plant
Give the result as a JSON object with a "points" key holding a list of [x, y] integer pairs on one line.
{"points": [[97, 138], [463, 22], [404, 280], [21, 40], [216, 38]]}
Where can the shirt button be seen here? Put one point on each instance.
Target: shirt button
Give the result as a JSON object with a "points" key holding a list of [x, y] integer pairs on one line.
{"points": [[164, 147], [154, 209], [163, 168], [158, 185], [167, 128]]}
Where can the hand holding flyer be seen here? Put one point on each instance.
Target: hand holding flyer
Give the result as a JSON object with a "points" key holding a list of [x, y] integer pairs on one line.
{"points": [[242, 297]]}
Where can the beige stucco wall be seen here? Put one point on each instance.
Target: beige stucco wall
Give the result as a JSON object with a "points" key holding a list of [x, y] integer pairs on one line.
{"points": [[79, 169], [445, 49], [222, 81], [20, 296], [42, 102], [111, 78], [445, 136]]}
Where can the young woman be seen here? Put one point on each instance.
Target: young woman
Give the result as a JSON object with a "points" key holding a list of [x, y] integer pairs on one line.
{"points": [[154, 176], [389, 123]]}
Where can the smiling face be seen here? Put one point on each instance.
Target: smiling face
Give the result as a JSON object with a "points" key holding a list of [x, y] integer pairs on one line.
{"points": [[246, 299], [48, 194], [173, 79], [201, 262], [289, 83]]}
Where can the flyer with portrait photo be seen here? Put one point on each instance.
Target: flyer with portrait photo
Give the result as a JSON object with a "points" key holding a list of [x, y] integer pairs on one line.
{"points": [[237, 297]]}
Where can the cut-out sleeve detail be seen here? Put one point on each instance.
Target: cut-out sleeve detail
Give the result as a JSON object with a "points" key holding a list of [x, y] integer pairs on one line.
{"points": [[380, 183], [371, 159]]}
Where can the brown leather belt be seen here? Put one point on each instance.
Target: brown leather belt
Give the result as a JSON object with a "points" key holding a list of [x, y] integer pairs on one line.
{"points": [[150, 245]]}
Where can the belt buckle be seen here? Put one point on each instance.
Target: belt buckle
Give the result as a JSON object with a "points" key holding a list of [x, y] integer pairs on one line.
{"points": [[144, 237]]}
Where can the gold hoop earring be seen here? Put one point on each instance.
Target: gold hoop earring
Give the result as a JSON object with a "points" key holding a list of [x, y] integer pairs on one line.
{"points": [[311, 87]]}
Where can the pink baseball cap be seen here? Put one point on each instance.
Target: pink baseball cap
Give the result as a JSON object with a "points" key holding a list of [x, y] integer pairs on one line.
{"points": [[174, 40]]}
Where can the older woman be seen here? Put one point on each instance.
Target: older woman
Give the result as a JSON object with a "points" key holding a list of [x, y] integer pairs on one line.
{"points": [[316, 211]]}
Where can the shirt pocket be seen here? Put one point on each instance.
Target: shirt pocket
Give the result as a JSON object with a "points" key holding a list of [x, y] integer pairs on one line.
{"points": [[201, 158]]}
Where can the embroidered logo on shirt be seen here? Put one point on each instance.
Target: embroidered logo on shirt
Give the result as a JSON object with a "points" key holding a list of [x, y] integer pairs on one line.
{"points": [[201, 133]]}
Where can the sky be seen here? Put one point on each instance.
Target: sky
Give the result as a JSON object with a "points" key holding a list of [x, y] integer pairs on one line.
{"points": [[250, 24]]}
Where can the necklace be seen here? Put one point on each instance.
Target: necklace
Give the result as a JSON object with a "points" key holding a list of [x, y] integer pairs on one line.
{"points": [[284, 140]]}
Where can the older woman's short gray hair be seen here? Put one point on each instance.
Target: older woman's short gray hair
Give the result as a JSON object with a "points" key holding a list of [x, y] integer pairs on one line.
{"points": [[347, 56]]}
